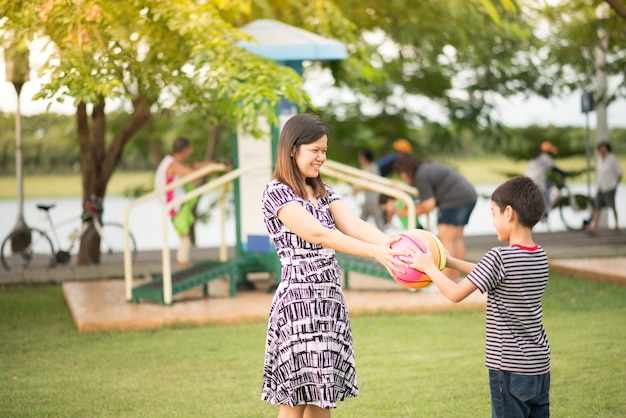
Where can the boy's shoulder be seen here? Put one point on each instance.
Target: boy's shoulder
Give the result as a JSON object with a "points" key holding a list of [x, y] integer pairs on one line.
{"points": [[513, 249]]}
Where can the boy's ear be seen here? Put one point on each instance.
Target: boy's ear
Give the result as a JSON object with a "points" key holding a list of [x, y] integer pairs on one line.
{"points": [[509, 212]]}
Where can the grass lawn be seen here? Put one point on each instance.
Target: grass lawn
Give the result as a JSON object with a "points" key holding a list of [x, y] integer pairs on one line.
{"points": [[409, 365], [70, 184]]}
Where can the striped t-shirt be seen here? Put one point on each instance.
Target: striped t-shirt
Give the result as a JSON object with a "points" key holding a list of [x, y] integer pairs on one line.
{"points": [[515, 279]]}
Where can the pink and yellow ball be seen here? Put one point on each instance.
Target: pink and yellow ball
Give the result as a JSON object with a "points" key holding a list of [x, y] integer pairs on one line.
{"points": [[422, 239]]}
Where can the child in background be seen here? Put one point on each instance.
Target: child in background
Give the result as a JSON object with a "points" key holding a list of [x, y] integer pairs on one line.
{"points": [[514, 277], [402, 212], [371, 205]]}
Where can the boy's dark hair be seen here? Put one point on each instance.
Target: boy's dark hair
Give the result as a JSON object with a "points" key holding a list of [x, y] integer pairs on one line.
{"points": [[368, 154], [524, 196], [605, 143], [384, 198], [180, 144]]}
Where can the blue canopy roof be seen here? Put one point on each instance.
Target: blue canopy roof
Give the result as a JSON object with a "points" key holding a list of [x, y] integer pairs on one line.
{"points": [[281, 42]]}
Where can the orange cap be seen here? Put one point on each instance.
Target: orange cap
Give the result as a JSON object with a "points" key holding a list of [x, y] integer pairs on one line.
{"points": [[402, 145], [548, 147]]}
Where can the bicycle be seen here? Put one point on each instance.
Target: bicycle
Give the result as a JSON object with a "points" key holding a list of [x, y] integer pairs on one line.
{"points": [[575, 209], [33, 247]]}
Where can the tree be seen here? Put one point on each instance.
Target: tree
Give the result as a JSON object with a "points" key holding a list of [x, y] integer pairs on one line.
{"points": [[146, 55], [452, 55], [619, 8], [571, 43]]}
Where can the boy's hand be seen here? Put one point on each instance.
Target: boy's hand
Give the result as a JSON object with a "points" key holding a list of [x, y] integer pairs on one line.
{"points": [[420, 260]]}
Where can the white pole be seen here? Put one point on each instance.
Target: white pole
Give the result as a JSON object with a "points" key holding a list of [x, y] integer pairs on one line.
{"points": [[602, 124]]}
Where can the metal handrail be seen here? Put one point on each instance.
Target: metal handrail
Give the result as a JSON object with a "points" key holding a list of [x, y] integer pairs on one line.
{"points": [[221, 181], [128, 264], [373, 177], [377, 183], [331, 168]]}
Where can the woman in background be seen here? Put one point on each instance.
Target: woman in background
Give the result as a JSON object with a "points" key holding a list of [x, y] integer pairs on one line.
{"points": [[440, 186]]}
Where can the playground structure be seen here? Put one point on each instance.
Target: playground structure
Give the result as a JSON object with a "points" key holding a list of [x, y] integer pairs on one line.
{"points": [[253, 162], [256, 254]]}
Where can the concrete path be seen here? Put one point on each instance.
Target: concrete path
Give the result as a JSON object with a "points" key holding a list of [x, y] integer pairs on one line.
{"points": [[95, 295]]}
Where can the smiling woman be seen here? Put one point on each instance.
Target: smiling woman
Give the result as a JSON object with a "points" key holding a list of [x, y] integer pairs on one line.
{"points": [[307, 222]]}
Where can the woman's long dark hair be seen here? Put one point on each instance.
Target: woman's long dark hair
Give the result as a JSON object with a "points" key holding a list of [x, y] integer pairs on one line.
{"points": [[298, 130]]}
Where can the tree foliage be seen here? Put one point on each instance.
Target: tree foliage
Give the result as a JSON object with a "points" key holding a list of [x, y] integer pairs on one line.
{"points": [[453, 56], [148, 54], [572, 40]]}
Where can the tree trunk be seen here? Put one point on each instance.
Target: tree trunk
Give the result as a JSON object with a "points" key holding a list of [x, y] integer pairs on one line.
{"points": [[97, 162], [212, 141], [619, 8]]}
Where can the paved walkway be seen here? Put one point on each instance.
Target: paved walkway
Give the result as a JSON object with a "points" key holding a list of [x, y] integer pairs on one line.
{"points": [[99, 306], [95, 295]]}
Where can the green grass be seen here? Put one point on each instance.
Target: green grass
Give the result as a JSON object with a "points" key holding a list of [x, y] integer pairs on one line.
{"points": [[477, 170], [58, 185], [409, 365]]}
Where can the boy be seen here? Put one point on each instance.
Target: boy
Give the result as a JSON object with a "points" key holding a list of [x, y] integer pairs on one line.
{"points": [[514, 277]]}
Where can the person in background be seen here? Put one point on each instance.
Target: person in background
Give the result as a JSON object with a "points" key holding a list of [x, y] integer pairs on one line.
{"points": [[385, 164], [172, 167], [514, 277], [371, 205], [309, 355], [608, 175], [440, 186], [403, 214], [540, 167], [388, 207]]}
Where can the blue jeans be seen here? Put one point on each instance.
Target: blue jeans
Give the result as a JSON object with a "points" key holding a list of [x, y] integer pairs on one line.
{"points": [[518, 395]]}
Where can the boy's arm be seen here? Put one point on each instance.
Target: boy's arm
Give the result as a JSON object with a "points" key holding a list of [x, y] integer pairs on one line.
{"points": [[460, 265], [456, 292]]}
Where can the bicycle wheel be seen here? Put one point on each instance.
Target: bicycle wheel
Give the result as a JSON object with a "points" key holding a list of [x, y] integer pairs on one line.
{"points": [[111, 243], [26, 248], [576, 211]]}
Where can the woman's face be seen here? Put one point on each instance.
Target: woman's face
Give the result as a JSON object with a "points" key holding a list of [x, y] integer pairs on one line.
{"points": [[310, 157]]}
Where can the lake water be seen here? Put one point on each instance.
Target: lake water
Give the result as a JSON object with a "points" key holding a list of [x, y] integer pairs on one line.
{"points": [[145, 219]]}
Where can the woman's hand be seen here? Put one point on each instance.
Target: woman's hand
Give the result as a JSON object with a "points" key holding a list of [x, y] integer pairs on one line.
{"points": [[393, 260]]}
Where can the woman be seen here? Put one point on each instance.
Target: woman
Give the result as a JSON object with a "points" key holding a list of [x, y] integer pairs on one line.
{"points": [[309, 359], [440, 186]]}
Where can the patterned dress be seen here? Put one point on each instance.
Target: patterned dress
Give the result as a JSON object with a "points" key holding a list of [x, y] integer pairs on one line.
{"points": [[309, 357]]}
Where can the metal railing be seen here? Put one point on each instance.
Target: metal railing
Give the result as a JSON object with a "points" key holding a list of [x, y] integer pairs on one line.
{"points": [[380, 184], [128, 265], [331, 168]]}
